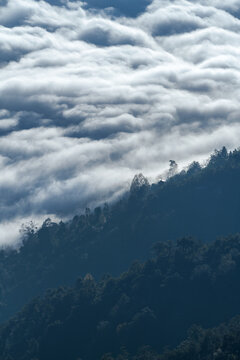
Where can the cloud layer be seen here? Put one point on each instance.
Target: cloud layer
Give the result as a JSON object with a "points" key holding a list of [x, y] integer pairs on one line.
{"points": [[90, 97]]}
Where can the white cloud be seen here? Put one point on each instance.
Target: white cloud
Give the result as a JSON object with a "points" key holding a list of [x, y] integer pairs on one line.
{"points": [[88, 100]]}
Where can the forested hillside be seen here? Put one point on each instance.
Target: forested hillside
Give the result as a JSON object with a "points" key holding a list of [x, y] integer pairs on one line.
{"points": [[201, 202], [221, 343], [152, 304], [114, 243]]}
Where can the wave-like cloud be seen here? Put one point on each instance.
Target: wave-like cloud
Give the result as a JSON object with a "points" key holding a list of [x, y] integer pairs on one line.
{"points": [[88, 98]]}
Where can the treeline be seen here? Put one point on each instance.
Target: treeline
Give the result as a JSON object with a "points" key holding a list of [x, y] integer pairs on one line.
{"points": [[151, 305], [203, 202], [220, 343]]}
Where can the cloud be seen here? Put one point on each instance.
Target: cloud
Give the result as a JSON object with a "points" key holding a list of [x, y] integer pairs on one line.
{"points": [[103, 32], [89, 98]]}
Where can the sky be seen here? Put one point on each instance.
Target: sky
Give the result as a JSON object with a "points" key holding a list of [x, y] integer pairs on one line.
{"points": [[92, 93]]}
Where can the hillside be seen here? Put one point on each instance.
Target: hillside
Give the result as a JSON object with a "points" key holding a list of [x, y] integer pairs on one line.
{"points": [[202, 202], [119, 180], [152, 304], [220, 343]]}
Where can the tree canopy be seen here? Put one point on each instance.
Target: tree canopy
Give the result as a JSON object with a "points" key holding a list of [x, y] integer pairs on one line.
{"points": [[152, 305]]}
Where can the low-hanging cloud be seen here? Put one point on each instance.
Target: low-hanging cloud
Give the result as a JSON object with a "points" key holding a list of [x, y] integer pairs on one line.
{"points": [[89, 98]]}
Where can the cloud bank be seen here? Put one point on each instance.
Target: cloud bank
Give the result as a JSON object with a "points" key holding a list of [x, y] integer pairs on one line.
{"points": [[89, 97]]}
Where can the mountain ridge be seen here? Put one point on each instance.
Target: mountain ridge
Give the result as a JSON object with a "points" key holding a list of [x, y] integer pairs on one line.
{"points": [[201, 202]]}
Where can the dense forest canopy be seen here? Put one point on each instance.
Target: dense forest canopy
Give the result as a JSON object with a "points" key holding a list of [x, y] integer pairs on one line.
{"points": [[187, 280], [94, 93], [153, 305], [201, 202], [221, 343]]}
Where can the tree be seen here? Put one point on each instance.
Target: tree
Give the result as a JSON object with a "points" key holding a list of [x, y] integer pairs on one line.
{"points": [[173, 167], [139, 182], [194, 168]]}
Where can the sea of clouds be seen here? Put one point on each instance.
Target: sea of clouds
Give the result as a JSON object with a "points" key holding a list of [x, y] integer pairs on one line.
{"points": [[91, 95]]}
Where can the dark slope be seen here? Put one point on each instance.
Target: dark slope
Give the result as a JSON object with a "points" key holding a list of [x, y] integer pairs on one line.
{"points": [[153, 304], [108, 240], [221, 343], [200, 202]]}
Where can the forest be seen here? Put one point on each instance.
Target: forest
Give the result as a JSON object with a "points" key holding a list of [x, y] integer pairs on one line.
{"points": [[185, 285], [153, 276]]}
